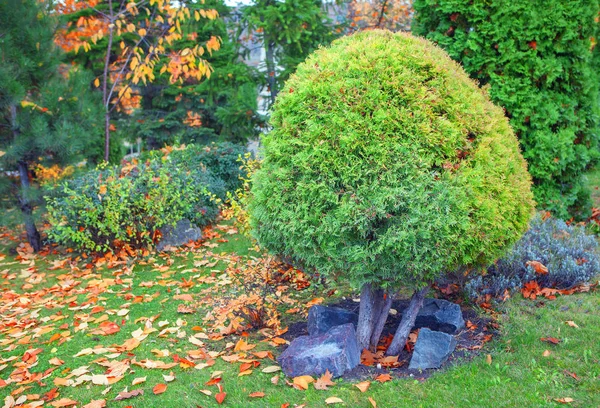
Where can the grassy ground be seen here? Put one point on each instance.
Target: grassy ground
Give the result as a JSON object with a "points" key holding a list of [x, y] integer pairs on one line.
{"points": [[593, 181], [59, 306]]}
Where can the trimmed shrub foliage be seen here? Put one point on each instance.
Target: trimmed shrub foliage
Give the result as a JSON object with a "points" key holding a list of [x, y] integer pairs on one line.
{"points": [[567, 251], [541, 64], [222, 160], [388, 165], [109, 207]]}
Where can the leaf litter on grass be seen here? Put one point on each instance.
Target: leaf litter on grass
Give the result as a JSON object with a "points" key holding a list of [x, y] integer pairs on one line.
{"points": [[54, 301], [62, 299]]}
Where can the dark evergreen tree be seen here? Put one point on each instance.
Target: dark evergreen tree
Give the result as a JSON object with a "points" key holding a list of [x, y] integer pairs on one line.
{"points": [[289, 31], [47, 111], [224, 105]]}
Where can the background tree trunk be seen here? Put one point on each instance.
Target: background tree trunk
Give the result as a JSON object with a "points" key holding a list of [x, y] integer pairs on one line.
{"points": [[33, 236], [407, 322], [105, 96], [270, 62]]}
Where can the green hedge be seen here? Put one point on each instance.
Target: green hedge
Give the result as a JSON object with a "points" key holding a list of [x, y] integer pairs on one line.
{"points": [[540, 62]]}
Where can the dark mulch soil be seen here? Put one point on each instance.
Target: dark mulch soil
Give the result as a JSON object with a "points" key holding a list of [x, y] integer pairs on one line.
{"points": [[479, 330]]}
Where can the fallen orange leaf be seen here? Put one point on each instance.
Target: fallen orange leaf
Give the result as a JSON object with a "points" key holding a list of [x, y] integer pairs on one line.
{"points": [[538, 267], [63, 402], [383, 378], [324, 381], [159, 388], [363, 386], [95, 404], [220, 397]]}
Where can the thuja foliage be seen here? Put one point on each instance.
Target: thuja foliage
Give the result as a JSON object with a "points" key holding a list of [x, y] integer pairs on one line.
{"points": [[542, 65], [388, 165], [110, 207], [566, 250]]}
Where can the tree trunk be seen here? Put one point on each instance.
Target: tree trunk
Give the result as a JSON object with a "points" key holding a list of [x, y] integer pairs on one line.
{"points": [[385, 304], [381, 13], [407, 322], [374, 308], [270, 60], [106, 135], [105, 96], [33, 236], [364, 327]]}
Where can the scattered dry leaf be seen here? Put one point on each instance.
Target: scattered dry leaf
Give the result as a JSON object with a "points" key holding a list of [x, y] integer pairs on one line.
{"points": [[383, 378], [129, 394], [566, 400], [324, 381], [96, 404], [63, 402], [302, 382], [363, 386], [220, 397], [552, 340], [159, 388]]}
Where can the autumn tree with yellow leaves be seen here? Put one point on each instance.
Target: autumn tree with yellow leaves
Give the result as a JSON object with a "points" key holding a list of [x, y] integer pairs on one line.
{"points": [[133, 38]]}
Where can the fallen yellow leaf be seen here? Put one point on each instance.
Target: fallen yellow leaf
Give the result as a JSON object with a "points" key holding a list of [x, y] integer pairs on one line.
{"points": [[566, 400], [138, 380], [302, 381]]}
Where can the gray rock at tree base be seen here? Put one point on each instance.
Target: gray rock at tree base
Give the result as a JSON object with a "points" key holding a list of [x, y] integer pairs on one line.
{"points": [[183, 232], [440, 315], [432, 349], [336, 351], [323, 318]]}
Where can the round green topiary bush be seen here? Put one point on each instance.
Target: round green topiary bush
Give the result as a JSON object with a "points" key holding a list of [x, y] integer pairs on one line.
{"points": [[387, 166]]}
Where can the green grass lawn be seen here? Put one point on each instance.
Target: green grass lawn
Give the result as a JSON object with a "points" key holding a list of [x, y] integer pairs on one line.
{"points": [[593, 182], [59, 311]]}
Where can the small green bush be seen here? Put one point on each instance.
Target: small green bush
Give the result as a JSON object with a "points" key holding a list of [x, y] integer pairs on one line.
{"points": [[110, 207], [387, 165], [107, 208], [541, 63]]}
